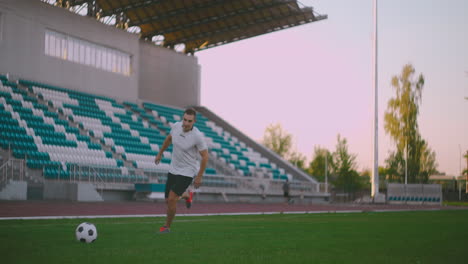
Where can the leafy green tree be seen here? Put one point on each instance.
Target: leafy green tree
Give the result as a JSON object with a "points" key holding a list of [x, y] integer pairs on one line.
{"points": [[277, 139], [383, 176], [428, 163], [465, 172], [346, 177], [298, 159], [402, 125], [395, 167], [317, 165], [365, 178]]}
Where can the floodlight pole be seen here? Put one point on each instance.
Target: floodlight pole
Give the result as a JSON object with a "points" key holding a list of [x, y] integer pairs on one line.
{"points": [[460, 177], [326, 171], [406, 160], [459, 148], [375, 172]]}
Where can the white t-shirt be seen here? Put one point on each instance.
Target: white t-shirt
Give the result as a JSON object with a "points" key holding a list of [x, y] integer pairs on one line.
{"points": [[186, 147]]}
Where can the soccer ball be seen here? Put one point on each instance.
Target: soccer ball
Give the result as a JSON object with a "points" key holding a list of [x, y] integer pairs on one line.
{"points": [[86, 232]]}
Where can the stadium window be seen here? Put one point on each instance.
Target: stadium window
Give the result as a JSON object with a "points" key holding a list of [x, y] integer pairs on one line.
{"points": [[127, 66], [76, 50], [98, 57], [103, 59], [46, 47], [122, 62], [117, 63], [64, 48], [93, 55], [58, 47], [52, 45], [113, 67], [124, 65], [114, 61], [84, 52], [87, 55], [70, 54], [109, 60]]}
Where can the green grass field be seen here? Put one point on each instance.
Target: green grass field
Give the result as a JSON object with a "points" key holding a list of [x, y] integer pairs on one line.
{"points": [[456, 203], [391, 237]]}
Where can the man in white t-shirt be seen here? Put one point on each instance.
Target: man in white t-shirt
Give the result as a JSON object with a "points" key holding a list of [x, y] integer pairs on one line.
{"points": [[188, 146]]}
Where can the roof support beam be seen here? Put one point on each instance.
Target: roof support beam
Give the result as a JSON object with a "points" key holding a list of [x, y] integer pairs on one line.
{"points": [[177, 12], [221, 41], [206, 35], [78, 2], [132, 6], [213, 19]]}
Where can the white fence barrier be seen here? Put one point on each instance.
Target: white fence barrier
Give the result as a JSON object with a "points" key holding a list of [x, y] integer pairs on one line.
{"points": [[414, 193]]}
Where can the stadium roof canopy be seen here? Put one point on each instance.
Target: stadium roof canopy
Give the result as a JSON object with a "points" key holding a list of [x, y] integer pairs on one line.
{"points": [[200, 24]]}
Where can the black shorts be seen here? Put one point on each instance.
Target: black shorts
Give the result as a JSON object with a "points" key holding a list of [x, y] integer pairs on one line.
{"points": [[286, 194], [177, 183]]}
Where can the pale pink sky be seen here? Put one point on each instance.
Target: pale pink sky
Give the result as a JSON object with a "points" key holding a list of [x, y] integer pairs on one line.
{"points": [[315, 80]]}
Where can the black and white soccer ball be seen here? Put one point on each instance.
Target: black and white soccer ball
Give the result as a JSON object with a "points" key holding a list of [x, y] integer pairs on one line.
{"points": [[86, 232]]}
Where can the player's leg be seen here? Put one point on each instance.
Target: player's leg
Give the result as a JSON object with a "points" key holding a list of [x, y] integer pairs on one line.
{"points": [[174, 191], [170, 182], [183, 189], [171, 208], [188, 196]]}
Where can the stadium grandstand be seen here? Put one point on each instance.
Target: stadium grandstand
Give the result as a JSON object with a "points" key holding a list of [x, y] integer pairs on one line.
{"points": [[90, 89]]}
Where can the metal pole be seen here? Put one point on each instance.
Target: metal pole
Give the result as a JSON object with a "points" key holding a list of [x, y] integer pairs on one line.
{"points": [[460, 177], [406, 147], [461, 172], [466, 179], [459, 188], [326, 171], [375, 172], [406, 161]]}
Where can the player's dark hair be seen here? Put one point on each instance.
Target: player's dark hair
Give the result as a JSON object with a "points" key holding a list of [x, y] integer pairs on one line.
{"points": [[191, 111]]}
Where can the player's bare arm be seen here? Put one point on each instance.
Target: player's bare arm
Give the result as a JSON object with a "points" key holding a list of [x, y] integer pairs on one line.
{"points": [[167, 142], [204, 161]]}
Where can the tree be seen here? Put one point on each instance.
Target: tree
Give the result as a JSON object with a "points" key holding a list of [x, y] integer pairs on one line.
{"points": [[465, 172], [346, 176], [402, 125], [277, 139], [317, 165], [298, 159], [428, 163], [395, 167], [383, 177]]}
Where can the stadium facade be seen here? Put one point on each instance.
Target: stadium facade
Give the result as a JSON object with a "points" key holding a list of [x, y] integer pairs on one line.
{"points": [[107, 92], [156, 73]]}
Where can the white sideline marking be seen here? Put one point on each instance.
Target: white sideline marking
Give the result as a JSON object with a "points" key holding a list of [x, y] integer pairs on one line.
{"points": [[210, 214]]}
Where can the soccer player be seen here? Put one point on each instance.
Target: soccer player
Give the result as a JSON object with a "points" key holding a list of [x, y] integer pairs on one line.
{"points": [[286, 189], [188, 144]]}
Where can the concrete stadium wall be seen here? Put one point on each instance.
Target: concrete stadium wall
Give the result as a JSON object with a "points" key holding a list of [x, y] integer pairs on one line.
{"points": [[22, 48], [71, 191], [158, 74], [168, 77], [14, 190], [86, 192], [54, 190]]}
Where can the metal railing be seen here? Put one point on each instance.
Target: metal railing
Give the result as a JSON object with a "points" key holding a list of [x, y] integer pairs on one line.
{"points": [[12, 169], [101, 175], [93, 174]]}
